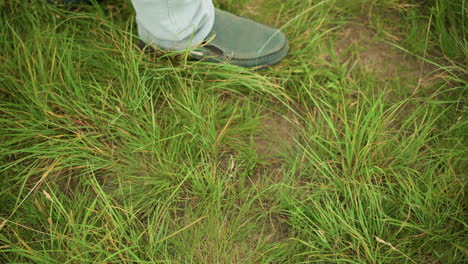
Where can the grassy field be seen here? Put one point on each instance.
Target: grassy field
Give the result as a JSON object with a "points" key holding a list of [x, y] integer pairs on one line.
{"points": [[352, 150]]}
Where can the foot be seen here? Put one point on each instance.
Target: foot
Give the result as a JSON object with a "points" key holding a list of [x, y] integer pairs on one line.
{"points": [[241, 41]]}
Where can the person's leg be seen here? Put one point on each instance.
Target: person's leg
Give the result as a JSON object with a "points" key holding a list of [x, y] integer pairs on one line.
{"points": [[174, 24], [223, 37]]}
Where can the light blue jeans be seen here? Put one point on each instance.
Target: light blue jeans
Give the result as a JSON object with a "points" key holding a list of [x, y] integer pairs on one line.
{"points": [[174, 24]]}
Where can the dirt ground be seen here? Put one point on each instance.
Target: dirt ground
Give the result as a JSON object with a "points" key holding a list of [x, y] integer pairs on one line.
{"points": [[275, 135], [357, 43]]}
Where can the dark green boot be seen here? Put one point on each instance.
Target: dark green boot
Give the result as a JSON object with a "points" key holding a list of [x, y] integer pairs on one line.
{"points": [[241, 41]]}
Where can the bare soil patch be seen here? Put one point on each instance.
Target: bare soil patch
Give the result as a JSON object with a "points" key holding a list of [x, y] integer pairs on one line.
{"points": [[357, 43], [275, 135]]}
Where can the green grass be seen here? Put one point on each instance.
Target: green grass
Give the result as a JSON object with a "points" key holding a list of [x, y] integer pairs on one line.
{"points": [[111, 154]]}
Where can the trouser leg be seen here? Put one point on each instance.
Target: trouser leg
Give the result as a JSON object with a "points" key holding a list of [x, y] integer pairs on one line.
{"points": [[174, 24]]}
